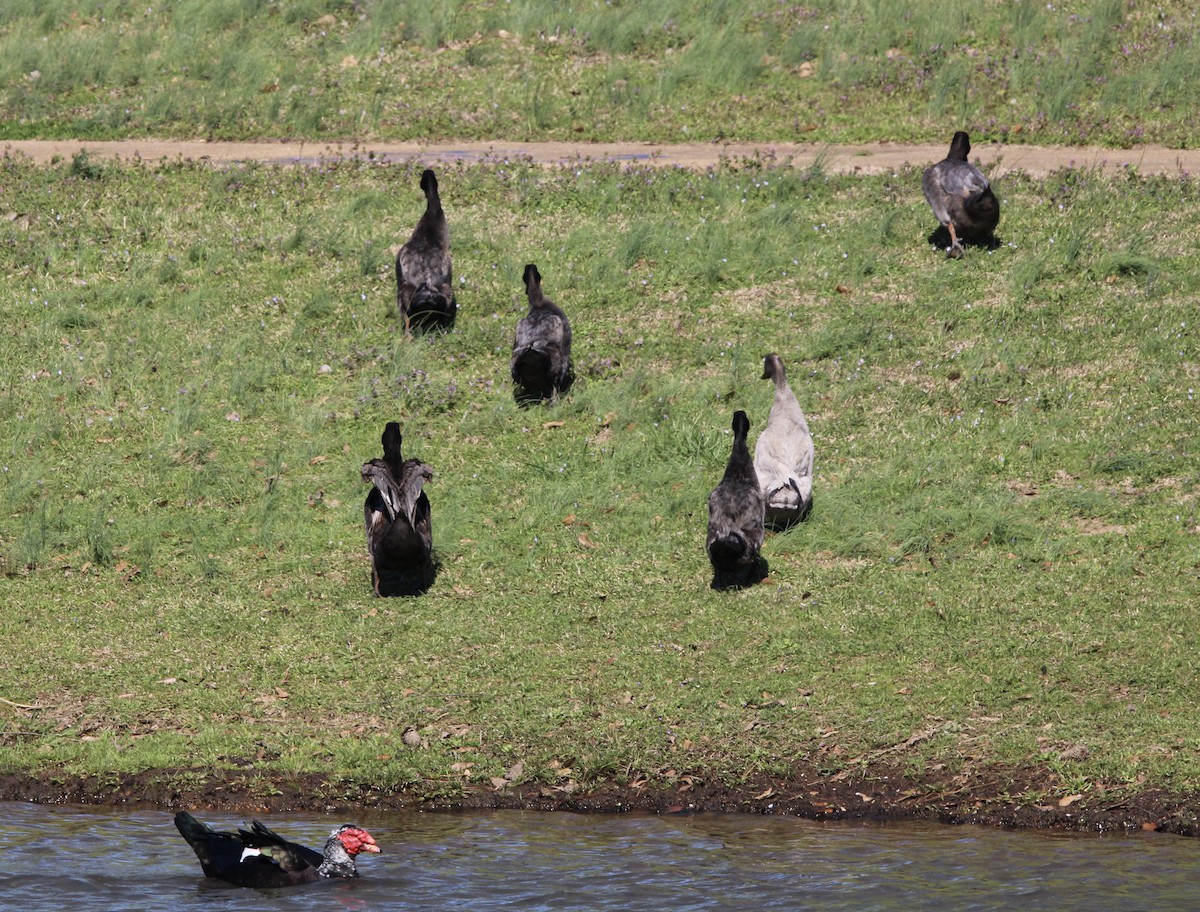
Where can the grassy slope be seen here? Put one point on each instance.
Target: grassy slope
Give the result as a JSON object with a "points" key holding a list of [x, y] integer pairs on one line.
{"points": [[1001, 559], [1102, 72]]}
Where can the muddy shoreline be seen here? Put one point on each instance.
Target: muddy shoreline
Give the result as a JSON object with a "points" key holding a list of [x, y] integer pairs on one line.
{"points": [[984, 798]]}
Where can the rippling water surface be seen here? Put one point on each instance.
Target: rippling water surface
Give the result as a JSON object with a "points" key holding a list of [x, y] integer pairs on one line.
{"points": [[54, 858]]}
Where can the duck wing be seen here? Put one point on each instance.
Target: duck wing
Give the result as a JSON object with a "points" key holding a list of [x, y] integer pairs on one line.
{"points": [[413, 476], [952, 183], [218, 852], [542, 351], [390, 498], [256, 857], [735, 526], [291, 857], [420, 262], [399, 529]]}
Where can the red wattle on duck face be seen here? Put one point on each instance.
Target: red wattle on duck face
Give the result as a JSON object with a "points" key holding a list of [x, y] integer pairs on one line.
{"points": [[357, 841]]}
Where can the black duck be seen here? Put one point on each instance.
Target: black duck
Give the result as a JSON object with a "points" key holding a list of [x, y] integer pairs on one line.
{"points": [[541, 354], [424, 278], [398, 522], [260, 858], [735, 516]]}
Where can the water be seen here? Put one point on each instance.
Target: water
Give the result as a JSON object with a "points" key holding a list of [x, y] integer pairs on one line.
{"points": [[70, 858]]}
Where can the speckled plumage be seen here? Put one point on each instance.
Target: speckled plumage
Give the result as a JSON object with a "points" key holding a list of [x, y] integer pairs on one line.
{"points": [[736, 513]]}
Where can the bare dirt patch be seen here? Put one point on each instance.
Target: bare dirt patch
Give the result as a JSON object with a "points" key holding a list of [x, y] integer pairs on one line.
{"points": [[998, 158], [1093, 526]]}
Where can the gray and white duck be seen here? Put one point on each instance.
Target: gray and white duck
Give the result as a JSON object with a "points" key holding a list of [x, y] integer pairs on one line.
{"points": [[783, 455]]}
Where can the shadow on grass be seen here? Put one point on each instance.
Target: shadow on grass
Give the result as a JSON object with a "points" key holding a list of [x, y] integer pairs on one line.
{"points": [[743, 577], [529, 396], [411, 581], [432, 321], [940, 238]]}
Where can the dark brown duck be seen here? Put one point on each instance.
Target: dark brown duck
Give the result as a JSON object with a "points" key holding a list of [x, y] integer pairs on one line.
{"points": [[961, 197], [424, 278], [398, 520], [735, 516], [541, 354]]}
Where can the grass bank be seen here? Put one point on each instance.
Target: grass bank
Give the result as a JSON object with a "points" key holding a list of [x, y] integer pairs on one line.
{"points": [[1000, 571], [1100, 72]]}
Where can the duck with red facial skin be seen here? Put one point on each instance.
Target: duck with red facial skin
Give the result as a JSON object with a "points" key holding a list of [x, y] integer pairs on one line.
{"points": [[261, 858]]}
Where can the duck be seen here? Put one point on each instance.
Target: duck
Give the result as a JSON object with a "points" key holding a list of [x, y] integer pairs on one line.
{"points": [[783, 455], [424, 277], [961, 197], [541, 354], [258, 857], [736, 513], [398, 522]]}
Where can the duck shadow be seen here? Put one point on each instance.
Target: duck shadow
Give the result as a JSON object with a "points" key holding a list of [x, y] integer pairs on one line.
{"points": [[781, 521], [940, 238], [530, 398], [418, 582], [742, 578], [431, 322]]}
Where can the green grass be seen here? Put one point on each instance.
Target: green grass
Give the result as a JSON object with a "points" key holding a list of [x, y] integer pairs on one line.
{"points": [[1102, 72], [1003, 546]]}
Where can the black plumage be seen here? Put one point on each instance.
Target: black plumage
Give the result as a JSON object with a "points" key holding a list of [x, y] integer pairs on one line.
{"points": [[260, 858], [735, 516], [541, 355], [424, 277], [961, 197], [398, 520]]}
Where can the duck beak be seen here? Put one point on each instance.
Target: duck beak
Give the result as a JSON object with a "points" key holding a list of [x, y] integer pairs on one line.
{"points": [[371, 847]]}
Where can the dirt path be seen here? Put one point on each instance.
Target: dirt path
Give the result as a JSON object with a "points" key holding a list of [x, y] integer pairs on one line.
{"points": [[870, 159]]}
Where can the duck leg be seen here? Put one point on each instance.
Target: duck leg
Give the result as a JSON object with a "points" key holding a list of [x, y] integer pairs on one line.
{"points": [[956, 247]]}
